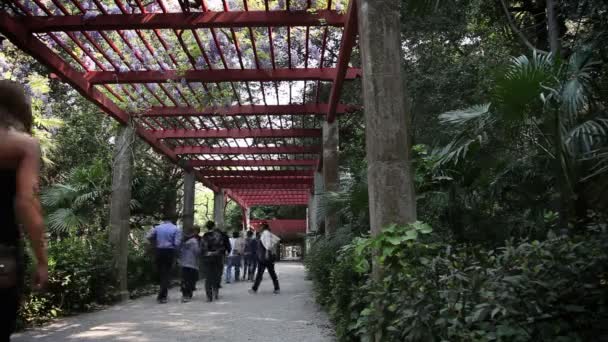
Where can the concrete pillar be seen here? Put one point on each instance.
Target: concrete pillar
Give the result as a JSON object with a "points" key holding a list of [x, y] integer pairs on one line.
{"points": [[189, 194], [387, 116], [247, 218], [318, 223], [218, 208], [330, 170], [119, 205]]}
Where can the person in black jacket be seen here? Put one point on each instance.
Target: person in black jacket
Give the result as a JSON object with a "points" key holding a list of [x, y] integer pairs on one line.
{"points": [[251, 258], [214, 247], [266, 259]]}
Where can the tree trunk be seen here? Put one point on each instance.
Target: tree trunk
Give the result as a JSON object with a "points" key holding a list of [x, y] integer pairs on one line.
{"points": [[553, 28], [188, 209], [391, 187], [119, 206], [390, 182], [218, 208], [330, 171]]}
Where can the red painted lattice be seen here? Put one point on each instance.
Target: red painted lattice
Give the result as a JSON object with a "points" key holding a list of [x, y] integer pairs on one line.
{"points": [[236, 90]]}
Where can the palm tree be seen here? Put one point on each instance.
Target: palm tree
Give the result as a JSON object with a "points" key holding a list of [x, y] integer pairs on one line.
{"points": [[539, 104]]}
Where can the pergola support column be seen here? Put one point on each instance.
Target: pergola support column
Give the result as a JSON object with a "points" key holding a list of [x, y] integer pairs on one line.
{"points": [[247, 218], [317, 223], [387, 116], [189, 197], [330, 170], [387, 119], [120, 204], [219, 200]]}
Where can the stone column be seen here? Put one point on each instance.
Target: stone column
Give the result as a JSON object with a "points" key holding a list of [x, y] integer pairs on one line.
{"points": [[387, 119], [318, 223], [330, 169], [122, 169], [387, 116], [247, 218], [218, 208], [189, 194]]}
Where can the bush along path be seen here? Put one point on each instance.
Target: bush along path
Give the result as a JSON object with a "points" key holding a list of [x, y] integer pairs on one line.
{"points": [[551, 290], [237, 316]]}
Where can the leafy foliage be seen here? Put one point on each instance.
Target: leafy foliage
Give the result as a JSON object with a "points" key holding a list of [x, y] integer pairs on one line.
{"points": [[430, 290]]}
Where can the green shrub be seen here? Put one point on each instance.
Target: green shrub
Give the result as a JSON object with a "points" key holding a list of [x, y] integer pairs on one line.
{"points": [[81, 277], [321, 259], [554, 290]]}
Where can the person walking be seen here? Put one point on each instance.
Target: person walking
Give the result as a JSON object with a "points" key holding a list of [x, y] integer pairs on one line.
{"points": [[237, 246], [266, 258], [250, 256], [214, 248], [19, 203], [166, 237], [189, 258]]}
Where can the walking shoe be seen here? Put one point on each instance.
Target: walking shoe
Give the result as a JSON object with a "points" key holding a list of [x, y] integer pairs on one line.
{"points": [[276, 292], [186, 299], [162, 301], [216, 294], [252, 291]]}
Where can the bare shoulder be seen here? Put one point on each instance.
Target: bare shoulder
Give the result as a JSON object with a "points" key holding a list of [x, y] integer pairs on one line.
{"points": [[19, 140]]}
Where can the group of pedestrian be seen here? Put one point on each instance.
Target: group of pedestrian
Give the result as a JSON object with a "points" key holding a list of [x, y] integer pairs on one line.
{"points": [[213, 253]]}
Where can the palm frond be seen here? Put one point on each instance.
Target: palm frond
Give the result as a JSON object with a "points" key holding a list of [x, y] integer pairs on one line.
{"points": [[587, 135], [58, 195], [86, 197], [463, 116], [574, 94], [524, 83], [457, 150], [601, 163], [64, 220]]}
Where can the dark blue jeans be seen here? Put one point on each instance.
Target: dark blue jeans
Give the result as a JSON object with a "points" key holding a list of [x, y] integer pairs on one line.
{"points": [[251, 262], [234, 261]]}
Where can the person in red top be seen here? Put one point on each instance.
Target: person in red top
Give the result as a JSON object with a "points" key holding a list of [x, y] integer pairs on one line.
{"points": [[19, 203]]}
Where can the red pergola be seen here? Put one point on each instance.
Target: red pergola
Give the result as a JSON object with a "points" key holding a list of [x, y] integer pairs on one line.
{"points": [[235, 92]]}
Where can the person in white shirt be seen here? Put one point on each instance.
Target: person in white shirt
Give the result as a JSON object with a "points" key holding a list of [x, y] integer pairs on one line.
{"points": [[237, 245]]}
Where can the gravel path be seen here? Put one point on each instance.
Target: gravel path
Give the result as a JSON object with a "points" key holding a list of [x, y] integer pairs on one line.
{"points": [[237, 316]]}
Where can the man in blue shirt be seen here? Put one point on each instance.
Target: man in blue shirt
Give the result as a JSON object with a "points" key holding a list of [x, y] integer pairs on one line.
{"points": [[166, 238]]}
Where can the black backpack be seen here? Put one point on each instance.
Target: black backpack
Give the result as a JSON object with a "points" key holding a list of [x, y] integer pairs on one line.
{"points": [[214, 241]]}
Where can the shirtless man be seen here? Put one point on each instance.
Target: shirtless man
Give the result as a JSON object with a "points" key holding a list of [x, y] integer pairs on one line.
{"points": [[19, 203]]}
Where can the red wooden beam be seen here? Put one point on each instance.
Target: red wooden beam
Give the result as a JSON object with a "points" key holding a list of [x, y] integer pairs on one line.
{"points": [[11, 28], [236, 198], [14, 31], [266, 186], [234, 133], [226, 182], [217, 75], [271, 192], [183, 21], [277, 203], [306, 109], [182, 150], [255, 173], [279, 200], [251, 163], [346, 49]]}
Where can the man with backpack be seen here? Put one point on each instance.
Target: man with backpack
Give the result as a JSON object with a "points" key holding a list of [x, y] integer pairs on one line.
{"points": [[214, 246]]}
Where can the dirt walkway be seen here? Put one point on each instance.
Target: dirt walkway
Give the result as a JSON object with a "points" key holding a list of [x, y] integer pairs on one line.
{"points": [[237, 316]]}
